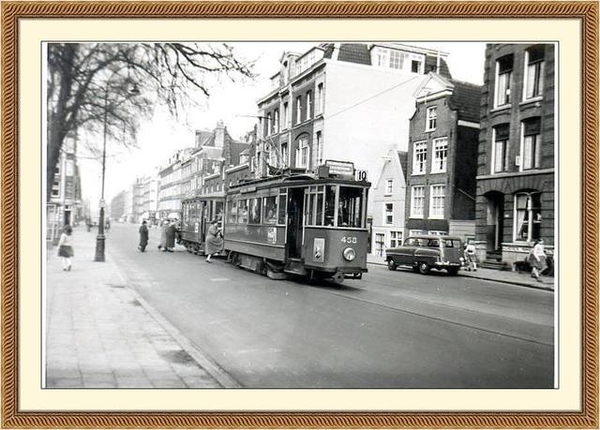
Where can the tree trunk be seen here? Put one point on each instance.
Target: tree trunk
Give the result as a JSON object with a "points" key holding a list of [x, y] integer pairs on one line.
{"points": [[59, 116]]}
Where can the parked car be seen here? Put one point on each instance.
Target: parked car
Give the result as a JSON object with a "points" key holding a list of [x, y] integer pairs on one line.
{"points": [[427, 252]]}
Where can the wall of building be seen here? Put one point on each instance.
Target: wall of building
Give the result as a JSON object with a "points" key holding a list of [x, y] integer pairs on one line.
{"points": [[367, 112], [502, 186]]}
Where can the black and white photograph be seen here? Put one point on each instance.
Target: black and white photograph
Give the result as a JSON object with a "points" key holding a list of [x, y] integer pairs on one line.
{"points": [[300, 215]]}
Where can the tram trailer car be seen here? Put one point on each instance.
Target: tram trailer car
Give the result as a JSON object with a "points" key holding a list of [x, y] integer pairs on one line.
{"points": [[197, 213], [306, 225]]}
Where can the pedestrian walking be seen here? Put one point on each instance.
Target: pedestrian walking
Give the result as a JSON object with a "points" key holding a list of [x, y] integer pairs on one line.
{"points": [[170, 242], [143, 237], [163, 236], [537, 259], [470, 255], [214, 239], [65, 250]]}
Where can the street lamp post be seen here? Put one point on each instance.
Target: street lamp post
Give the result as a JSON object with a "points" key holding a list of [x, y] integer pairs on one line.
{"points": [[101, 239]]}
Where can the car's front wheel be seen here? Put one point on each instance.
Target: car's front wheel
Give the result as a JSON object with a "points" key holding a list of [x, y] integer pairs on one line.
{"points": [[391, 264], [424, 268]]}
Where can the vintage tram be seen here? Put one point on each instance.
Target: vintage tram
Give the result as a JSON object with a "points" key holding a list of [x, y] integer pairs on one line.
{"points": [[197, 213], [303, 224]]}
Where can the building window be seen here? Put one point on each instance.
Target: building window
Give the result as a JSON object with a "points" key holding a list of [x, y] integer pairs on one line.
{"points": [[531, 145], [269, 124], [500, 148], [431, 120], [388, 217], [284, 154], [534, 72], [379, 244], [438, 195], [309, 102], [389, 187], [319, 151], [417, 202], [504, 67], [286, 117], [320, 99], [298, 109], [276, 122], [528, 217], [302, 153], [420, 158], [397, 59], [382, 57], [395, 238], [440, 155]]}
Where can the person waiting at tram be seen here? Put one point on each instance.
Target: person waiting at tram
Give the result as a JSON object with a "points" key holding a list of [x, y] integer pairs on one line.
{"points": [[214, 240]]}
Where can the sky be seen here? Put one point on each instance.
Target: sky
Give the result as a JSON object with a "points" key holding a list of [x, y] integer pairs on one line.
{"points": [[234, 104]]}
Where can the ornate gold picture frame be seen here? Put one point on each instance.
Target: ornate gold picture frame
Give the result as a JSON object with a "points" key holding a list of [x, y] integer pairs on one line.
{"points": [[15, 12]]}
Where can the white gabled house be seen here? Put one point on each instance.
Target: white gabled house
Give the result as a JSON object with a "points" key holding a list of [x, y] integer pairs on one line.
{"points": [[389, 200]]}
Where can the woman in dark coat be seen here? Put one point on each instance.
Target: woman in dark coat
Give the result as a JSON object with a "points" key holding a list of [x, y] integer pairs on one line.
{"points": [[143, 236], [170, 236], [214, 239]]}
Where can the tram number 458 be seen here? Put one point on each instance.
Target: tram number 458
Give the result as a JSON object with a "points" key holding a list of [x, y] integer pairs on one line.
{"points": [[349, 239]]}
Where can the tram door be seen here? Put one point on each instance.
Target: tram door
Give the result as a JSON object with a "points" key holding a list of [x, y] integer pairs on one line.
{"points": [[295, 212]]}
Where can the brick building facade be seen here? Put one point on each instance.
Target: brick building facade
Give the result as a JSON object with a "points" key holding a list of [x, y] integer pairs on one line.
{"points": [[515, 172], [442, 160]]}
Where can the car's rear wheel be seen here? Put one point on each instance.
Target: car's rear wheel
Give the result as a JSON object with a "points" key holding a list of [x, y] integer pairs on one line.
{"points": [[424, 268], [453, 271], [391, 264]]}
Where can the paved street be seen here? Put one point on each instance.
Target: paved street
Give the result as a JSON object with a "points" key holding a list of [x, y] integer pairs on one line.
{"points": [[171, 320]]}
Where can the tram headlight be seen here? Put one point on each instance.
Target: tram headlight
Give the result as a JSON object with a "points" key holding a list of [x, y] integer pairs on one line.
{"points": [[349, 254]]}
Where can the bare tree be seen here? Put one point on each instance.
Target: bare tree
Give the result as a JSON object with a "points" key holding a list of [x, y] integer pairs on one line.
{"points": [[110, 87]]}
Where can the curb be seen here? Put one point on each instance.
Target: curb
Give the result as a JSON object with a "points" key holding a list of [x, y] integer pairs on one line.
{"points": [[502, 281], [202, 359]]}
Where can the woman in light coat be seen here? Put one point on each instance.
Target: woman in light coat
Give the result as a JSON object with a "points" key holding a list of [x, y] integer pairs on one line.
{"points": [[65, 250], [537, 259]]}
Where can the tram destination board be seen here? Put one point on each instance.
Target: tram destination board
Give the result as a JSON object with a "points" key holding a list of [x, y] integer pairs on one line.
{"points": [[343, 169]]}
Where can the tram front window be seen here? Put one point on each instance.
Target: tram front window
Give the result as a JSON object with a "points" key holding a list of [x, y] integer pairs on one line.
{"points": [[350, 207], [329, 205]]}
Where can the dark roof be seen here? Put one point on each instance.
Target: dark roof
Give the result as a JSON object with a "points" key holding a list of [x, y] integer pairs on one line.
{"points": [[403, 158], [466, 99], [431, 65], [355, 53]]}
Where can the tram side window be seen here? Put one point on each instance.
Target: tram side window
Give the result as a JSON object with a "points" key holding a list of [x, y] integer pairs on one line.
{"points": [[243, 212], [254, 211], [315, 199], [219, 210], [282, 209], [232, 219], [329, 205], [270, 210], [350, 207]]}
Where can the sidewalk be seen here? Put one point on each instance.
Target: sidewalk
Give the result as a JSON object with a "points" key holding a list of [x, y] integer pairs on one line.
{"points": [[505, 276], [101, 334]]}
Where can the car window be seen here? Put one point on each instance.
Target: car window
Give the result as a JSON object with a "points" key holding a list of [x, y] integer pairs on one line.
{"points": [[433, 243], [449, 243]]}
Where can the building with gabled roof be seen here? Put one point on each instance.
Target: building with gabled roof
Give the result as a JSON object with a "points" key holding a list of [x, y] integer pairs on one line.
{"points": [[389, 202], [442, 158]]}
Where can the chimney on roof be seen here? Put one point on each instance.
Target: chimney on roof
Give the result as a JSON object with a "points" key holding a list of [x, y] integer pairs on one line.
{"points": [[220, 134]]}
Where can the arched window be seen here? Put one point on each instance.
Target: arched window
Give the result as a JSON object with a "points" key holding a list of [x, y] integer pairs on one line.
{"points": [[528, 216], [302, 152]]}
